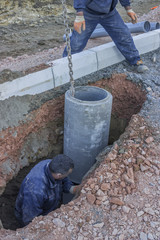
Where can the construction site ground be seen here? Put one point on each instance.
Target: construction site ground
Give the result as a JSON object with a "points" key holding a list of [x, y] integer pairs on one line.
{"points": [[120, 196], [28, 47]]}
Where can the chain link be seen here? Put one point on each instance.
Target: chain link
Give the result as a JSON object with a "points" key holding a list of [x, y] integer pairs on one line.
{"points": [[67, 32]]}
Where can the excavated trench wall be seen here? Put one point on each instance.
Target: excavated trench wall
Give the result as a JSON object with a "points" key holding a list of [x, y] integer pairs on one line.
{"points": [[31, 127]]}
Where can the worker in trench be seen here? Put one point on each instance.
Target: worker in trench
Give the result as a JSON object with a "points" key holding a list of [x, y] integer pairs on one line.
{"points": [[93, 12], [42, 189]]}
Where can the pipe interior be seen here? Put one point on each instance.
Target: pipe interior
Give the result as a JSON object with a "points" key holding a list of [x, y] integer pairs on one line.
{"points": [[90, 94], [157, 25], [147, 26]]}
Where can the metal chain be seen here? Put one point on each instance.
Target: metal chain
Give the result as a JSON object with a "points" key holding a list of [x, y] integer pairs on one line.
{"points": [[67, 31]]}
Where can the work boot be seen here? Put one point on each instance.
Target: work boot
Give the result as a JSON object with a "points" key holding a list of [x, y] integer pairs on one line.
{"points": [[140, 67]]}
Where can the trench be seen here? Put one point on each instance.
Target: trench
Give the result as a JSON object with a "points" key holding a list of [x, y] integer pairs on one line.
{"points": [[128, 99]]}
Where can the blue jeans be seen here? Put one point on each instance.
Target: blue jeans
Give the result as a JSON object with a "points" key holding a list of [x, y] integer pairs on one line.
{"points": [[117, 30]]}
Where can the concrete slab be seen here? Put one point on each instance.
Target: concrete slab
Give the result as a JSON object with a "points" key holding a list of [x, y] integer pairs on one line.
{"points": [[107, 55], [158, 31], [147, 42], [30, 84], [84, 63]]}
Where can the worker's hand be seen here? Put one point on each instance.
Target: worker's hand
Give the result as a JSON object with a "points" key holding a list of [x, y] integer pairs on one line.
{"points": [[75, 189], [132, 15], [79, 23]]}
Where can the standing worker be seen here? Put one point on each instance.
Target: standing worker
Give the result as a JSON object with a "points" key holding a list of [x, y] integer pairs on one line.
{"points": [[41, 190], [93, 12]]}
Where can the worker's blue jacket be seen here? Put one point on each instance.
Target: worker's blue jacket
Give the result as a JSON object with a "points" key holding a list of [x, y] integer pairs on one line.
{"points": [[40, 193], [104, 12], [98, 6]]}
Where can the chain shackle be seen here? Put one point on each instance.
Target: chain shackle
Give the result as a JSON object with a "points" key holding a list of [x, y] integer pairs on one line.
{"points": [[67, 32]]}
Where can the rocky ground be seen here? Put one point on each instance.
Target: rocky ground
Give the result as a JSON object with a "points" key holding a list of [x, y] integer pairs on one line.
{"points": [[120, 198]]}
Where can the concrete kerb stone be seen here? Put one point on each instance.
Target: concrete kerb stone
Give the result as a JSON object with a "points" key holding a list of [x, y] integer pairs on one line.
{"points": [[107, 55], [30, 84], [158, 31], [147, 42], [84, 63]]}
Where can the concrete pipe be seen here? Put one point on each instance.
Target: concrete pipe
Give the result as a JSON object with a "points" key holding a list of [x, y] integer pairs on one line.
{"points": [[154, 25], [86, 127]]}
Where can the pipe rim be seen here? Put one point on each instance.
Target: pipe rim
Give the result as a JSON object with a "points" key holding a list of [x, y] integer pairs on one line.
{"points": [[157, 25], [147, 26], [74, 99]]}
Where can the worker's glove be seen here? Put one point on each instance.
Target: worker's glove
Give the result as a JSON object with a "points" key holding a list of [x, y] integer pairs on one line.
{"points": [[75, 189], [79, 23], [132, 15]]}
